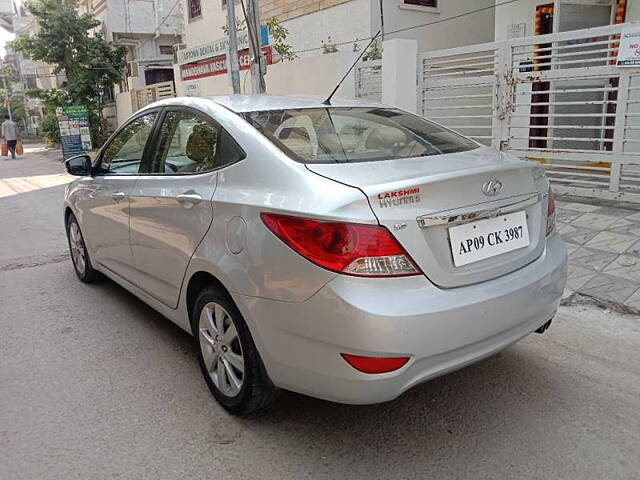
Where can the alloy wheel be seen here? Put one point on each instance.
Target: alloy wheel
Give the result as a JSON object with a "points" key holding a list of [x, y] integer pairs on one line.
{"points": [[221, 349], [77, 248]]}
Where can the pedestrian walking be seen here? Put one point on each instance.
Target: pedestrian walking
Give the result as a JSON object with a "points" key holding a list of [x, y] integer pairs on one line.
{"points": [[10, 134]]}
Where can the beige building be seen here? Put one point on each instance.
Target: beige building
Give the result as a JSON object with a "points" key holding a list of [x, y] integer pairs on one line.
{"points": [[318, 29], [149, 30]]}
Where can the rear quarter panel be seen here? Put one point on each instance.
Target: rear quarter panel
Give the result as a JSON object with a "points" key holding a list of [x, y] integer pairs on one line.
{"points": [[238, 249]]}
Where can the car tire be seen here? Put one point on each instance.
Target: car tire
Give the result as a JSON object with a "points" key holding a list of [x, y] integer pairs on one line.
{"points": [[229, 360], [79, 254]]}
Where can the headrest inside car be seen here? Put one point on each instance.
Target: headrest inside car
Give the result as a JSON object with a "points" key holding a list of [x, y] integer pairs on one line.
{"points": [[385, 138], [297, 133], [200, 143]]}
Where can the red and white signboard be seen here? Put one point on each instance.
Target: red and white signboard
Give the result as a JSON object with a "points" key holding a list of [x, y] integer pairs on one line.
{"points": [[218, 65], [629, 51]]}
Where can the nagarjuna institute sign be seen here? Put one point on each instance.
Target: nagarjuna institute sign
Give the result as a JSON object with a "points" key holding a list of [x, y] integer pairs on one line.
{"points": [[218, 65], [210, 58]]}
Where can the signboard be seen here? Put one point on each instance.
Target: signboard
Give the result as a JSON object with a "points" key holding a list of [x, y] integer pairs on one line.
{"points": [[629, 51], [192, 89], [218, 65], [219, 47], [75, 137], [516, 30]]}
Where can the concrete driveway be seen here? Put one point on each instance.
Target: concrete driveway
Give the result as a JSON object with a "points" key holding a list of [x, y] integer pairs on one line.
{"points": [[94, 384]]}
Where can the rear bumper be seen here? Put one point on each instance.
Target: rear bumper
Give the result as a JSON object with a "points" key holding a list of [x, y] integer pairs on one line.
{"points": [[441, 330]]}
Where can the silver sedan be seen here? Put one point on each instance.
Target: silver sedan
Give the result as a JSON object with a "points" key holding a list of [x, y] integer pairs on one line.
{"points": [[346, 251]]}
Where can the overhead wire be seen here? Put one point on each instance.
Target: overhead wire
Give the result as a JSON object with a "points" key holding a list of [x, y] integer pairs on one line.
{"points": [[423, 25], [349, 42]]}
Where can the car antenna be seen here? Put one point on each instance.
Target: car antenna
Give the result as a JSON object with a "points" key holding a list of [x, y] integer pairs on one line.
{"points": [[328, 100]]}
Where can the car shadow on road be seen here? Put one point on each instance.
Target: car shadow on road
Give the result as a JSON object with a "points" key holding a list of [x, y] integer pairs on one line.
{"points": [[499, 404], [147, 317], [507, 414], [512, 379]]}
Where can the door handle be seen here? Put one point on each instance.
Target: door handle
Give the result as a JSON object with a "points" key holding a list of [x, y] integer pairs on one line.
{"points": [[118, 196], [189, 198]]}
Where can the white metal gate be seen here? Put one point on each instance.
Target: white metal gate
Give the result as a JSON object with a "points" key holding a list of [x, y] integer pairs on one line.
{"points": [[558, 99]]}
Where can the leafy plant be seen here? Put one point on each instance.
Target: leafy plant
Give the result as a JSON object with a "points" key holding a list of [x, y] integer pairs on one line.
{"points": [[279, 36], [374, 52], [64, 38], [241, 25], [328, 46], [16, 99], [49, 128]]}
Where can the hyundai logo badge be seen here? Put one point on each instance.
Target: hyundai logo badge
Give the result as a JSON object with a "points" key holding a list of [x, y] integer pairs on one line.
{"points": [[492, 187]]}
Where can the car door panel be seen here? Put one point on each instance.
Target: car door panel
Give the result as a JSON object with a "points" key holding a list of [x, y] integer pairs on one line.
{"points": [[169, 217], [105, 205], [171, 204], [105, 213]]}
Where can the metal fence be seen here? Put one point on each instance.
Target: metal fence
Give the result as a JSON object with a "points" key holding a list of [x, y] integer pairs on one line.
{"points": [[558, 99], [368, 78]]}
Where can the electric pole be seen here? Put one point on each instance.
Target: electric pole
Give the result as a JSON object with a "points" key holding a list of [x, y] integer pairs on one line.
{"points": [[259, 65], [232, 57], [381, 21]]}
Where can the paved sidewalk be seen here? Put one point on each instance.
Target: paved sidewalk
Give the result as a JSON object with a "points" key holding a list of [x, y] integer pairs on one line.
{"points": [[603, 243]]}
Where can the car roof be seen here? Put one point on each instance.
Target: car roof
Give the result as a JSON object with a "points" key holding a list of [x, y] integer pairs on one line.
{"points": [[252, 103]]}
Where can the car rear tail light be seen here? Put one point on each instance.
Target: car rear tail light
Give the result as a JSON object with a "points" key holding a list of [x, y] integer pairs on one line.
{"points": [[350, 248], [551, 213], [375, 364]]}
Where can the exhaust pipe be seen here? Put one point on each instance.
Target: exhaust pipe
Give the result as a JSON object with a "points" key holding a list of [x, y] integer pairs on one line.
{"points": [[544, 326]]}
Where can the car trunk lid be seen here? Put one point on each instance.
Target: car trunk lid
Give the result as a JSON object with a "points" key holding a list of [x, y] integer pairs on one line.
{"points": [[420, 199]]}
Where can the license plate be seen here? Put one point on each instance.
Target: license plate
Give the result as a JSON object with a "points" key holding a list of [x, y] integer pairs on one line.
{"points": [[487, 238]]}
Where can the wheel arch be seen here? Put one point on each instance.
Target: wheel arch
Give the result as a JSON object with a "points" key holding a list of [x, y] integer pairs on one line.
{"points": [[67, 213], [197, 282]]}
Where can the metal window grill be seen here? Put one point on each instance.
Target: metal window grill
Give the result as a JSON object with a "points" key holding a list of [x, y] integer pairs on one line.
{"points": [[194, 8], [422, 3]]}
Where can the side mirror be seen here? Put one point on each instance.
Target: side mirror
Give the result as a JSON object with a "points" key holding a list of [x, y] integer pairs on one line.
{"points": [[79, 166]]}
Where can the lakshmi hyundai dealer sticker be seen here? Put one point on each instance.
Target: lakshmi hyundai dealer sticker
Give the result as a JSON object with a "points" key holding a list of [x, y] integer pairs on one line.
{"points": [[218, 65], [398, 198]]}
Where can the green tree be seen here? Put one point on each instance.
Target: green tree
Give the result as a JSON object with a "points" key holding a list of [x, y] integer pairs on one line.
{"points": [[16, 98], [67, 40], [279, 36]]}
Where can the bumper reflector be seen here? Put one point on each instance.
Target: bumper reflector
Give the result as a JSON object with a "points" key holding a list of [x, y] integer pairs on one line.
{"points": [[375, 364]]}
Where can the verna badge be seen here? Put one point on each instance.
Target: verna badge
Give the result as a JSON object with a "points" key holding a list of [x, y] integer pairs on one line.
{"points": [[492, 187]]}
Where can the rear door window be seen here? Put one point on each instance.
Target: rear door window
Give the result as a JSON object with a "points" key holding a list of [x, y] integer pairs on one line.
{"points": [[344, 135], [189, 143]]}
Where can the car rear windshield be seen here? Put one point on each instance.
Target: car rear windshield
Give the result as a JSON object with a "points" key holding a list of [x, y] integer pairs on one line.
{"points": [[344, 135]]}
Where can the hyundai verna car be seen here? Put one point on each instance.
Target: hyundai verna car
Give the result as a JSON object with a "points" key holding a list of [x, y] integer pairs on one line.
{"points": [[346, 251]]}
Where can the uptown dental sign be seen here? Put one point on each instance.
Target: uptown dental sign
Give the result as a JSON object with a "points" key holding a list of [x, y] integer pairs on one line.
{"points": [[218, 65], [210, 58]]}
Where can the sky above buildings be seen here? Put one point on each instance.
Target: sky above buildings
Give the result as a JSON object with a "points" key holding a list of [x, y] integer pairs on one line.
{"points": [[4, 38]]}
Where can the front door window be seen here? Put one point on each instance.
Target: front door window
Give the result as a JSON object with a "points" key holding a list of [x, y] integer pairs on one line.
{"points": [[123, 154]]}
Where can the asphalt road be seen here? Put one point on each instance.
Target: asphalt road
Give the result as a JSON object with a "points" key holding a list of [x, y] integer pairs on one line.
{"points": [[94, 384]]}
